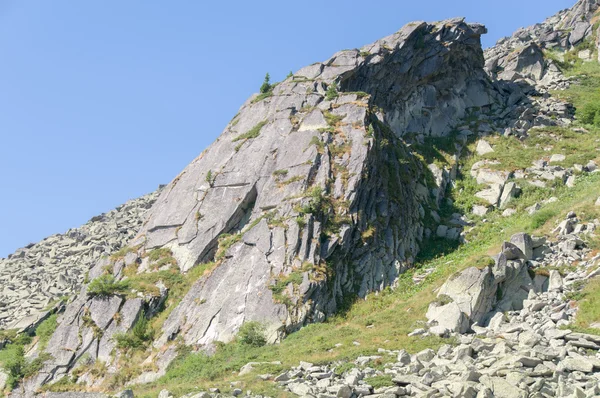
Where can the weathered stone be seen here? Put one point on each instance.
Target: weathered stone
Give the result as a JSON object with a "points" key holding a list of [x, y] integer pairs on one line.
{"points": [[483, 147], [524, 243]]}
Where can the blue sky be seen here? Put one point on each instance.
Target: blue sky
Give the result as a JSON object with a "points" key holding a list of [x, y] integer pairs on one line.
{"points": [[102, 101]]}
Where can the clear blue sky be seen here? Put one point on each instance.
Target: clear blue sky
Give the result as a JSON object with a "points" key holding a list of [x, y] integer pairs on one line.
{"points": [[101, 101]]}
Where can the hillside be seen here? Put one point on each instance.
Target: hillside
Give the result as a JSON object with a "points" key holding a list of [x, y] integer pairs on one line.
{"points": [[416, 217]]}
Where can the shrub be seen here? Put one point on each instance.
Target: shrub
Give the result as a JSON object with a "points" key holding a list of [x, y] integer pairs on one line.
{"points": [[137, 337], [331, 92], [106, 285], [590, 113], [253, 334], [266, 86]]}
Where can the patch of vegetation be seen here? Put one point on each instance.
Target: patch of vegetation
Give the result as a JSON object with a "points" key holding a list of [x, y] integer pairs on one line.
{"points": [[332, 92], [319, 204], [210, 178], [138, 337], [295, 278], [164, 256], [368, 233], [380, 381], [122, 253], [280, 173], [17, 367], [225, 242], [266, 90], [251, 134], [316, 141], [106, 285], [332, 119], [45, 330], [252, 334]]}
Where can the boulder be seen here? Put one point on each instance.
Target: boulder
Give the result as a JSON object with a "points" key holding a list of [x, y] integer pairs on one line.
{"points": [[579, 32], [473, 291], [449, 317], [555, 283], [509, 191], [483, 148], [524, 243], [526, 62]]}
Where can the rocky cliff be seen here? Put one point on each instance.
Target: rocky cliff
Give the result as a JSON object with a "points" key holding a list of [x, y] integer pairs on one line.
{"points": [[312, 195], [320, 190]]}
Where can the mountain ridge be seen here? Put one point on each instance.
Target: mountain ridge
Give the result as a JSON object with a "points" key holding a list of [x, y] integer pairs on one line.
{"points": [[319, 191]]}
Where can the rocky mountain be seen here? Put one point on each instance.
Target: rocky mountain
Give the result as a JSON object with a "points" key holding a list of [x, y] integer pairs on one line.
{"points": [[324, 188]]}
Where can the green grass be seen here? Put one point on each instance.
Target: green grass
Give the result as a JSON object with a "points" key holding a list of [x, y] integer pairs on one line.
{"points": [[332, 92], [45, 330], [12, 357], [252, 334], [106, 285], [250, 134], [380, 381], [138, 337], [585, 95], [589, 308]]}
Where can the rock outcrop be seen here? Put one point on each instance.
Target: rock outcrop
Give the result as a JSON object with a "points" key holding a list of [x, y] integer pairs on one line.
{"points": [[34, 278], [521, 58], [525, 349], [316, 193], [475, 297], [311, 196]]}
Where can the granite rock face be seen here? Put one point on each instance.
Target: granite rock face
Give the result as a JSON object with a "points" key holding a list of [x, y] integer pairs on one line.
{"points": [[315, 193], [312, 195], [520, 57], [36, 276], [351, 149]]}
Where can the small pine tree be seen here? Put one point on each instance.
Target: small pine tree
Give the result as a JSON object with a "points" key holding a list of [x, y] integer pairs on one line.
{"points": [[289, 75], [266, 86]]}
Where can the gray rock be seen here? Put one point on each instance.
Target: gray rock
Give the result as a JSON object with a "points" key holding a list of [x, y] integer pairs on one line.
{"points": [[555, 282], [483, 147], [473, 291], [557, 157], [125, 394], [3, 380], [164, 394], [577, 364], [524, 243], [509, 192], [480, 210]]}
